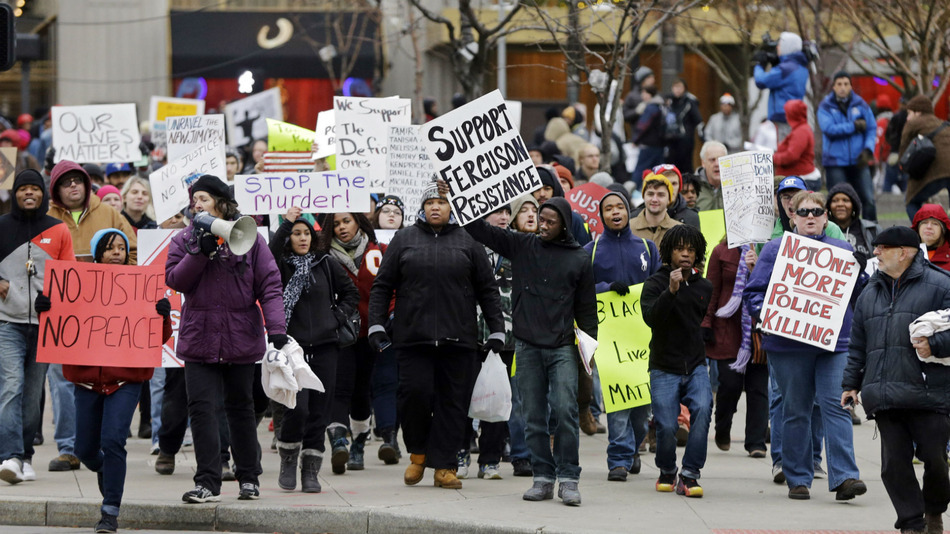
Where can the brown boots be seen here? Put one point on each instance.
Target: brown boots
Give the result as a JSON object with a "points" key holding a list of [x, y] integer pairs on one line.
{"points": [[445, 478], [417, 467]]}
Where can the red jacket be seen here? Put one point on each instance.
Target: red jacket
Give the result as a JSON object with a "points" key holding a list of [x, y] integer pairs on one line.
{"points": [[941, 255], [727, 331], [795, 155], [364, 278]]}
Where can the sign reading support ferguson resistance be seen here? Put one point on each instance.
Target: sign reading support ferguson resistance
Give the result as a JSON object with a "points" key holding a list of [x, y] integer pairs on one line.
{"points": [[106, 133], [747, 183], [479, 153], [809, 291], [315, 192]]}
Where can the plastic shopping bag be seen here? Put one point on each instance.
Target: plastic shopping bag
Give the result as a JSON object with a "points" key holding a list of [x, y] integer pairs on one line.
{"points": [[491, 399]]}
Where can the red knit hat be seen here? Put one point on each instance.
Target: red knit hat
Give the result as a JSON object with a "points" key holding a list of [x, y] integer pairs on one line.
{"points": [[565, 173]]}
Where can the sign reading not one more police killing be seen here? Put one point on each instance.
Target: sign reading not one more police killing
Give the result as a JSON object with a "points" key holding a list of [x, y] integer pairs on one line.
{"points": [[809, 291], [479, 153], [105, 133]]}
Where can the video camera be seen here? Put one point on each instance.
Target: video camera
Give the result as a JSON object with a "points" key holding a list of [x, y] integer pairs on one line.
{"points": [[768, 52]]}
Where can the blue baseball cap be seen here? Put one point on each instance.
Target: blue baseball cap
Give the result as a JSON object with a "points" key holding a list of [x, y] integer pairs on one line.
{"points": [[113, 168], [792, 182]]}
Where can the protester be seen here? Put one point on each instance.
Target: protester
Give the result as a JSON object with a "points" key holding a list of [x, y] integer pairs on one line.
{"points": [[795, 155], [654, 221], [118, 173], [931, 224], [690, 190], [707, 176], [678, 209], [137, 197], [559, 132], [257, 150], [96, 175], [784, 193], [844, 209], [552, 188], [633, 103], [922, 121], [111, 196], [564, 177], [681, 130], [890, 175], [588, 159], [233, 163], [893, 175], [786, 80], [524, 210], [649, 134], [724, 126], [909, 398], [389, 213]]}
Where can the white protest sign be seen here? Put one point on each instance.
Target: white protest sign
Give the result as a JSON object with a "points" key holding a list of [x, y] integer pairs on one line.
{"points": [[314, 192], [326, 135], [185, 134], [747, 198], [409, 169], [362, 135], [104, 133], [809, 291], [246, 117], [162, 107], [170, 183], [481, 156], [153, 248], [514, 113]]}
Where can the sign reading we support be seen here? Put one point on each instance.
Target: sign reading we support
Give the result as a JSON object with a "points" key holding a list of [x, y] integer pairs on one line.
{"points": [[479, 153], [286, 137], [170, 183], [362, 134], [623, 350], [246, 118], [102, 315], [409, 168], [186, 134], [747, 198], [809, 291], [106, 133], [315, 192], [585, 200]]}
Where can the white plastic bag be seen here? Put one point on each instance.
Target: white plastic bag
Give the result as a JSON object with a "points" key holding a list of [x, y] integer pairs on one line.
{"points": [[491, 399]]}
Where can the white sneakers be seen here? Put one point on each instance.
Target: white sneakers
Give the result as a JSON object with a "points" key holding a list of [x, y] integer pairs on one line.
{"points": [[11, 471], [29, 474]]}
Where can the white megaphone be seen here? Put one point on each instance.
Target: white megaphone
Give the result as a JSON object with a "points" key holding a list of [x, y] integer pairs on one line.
{"points": [[240, 235]]}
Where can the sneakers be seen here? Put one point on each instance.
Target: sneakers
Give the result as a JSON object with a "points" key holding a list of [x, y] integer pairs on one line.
{"points": [[155, 450], [850, 489], [489, 471], [799, 493], [666, 483], [540, 491], [446, 478], [108, 524], [617, 474], [819, 472], [464, 460], [29, 474], [522, 467], [64, 462], [165, 464], [689, 487], [11, 471], [778, 476], [249, 492], [227, 474], [568, 493], [202, 494]]}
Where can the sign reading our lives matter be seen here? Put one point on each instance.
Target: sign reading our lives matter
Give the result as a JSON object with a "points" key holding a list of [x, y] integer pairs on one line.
{"points": [[362, 134], [105, 134], [809, 291], [409, 168], [102, 314], [623, 350], [747, 183], [481, 156], [314, 192]]}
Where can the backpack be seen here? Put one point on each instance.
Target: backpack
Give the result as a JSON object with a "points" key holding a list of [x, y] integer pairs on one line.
{"points": [[920, 154], [673, 122]]}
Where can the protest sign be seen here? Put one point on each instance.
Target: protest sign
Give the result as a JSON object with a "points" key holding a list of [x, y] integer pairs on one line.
{"points": [[747, 183], [585, 200], [623, 350], [162, 107], [713, 226], [325, 135], [246, 118], [409, 169], [7, 167], [514, 113], [101, 314], [362, 134], [314, 192], [481, 156], [809, 291], [185, 134], [153, 250], [106, 133], [170, 183], [286, 137]]}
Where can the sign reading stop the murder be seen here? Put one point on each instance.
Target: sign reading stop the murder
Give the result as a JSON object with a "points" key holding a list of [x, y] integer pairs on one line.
{"points": [[809, 291], [585, 200], [479, 153], [315, 192], [102, 315]]}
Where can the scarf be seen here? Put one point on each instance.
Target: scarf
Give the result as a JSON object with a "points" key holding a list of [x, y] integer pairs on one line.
{"points": [[298, 283], [735, 304], [350, 254]]}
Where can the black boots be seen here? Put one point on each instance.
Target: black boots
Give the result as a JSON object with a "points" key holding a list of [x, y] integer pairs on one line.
{"points": [[287, 479], [356, 452], [389, 451], [310, 462], [340, 453]]}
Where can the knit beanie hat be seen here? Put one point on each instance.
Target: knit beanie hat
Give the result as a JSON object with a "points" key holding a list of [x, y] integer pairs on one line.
{"points": [[107, 189], [657, 178], [602, 179], [789, 43], [391, 200], [922, 104], [211, 185]]}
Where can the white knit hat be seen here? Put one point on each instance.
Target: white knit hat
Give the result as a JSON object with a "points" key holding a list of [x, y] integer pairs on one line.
{"points": [[789, 43]]}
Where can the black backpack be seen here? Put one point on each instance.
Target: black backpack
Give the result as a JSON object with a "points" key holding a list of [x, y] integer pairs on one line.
{"points": [[920, 154]]}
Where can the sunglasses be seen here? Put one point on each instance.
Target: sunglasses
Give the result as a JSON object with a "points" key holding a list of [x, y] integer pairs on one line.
{"points": [[805, 212], [74, 180]]}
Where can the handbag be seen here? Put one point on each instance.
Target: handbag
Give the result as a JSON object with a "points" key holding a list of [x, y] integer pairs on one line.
{"points": [[920, 154], [348, 330]]}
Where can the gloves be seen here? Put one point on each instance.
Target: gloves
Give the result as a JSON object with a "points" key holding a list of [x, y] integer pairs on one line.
{"points": [[42, 303], [761, 57], [865, 157], [494, 345], [860, 125], [862, 260], [619, 288], [772, 58], [208, 243], [379, 341], [163, 307], [278, 340], [708, 334]]}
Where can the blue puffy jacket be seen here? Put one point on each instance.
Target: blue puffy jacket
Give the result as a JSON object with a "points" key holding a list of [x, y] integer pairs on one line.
{"points": [[840, 142], [621, 256], [786, 81]]}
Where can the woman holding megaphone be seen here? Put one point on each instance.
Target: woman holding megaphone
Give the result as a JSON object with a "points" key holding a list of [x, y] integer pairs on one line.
{"points": [[221, 334]]}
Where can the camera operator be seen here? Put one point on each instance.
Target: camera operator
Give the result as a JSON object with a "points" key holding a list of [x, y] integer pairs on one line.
{"points": [[786, 79]]}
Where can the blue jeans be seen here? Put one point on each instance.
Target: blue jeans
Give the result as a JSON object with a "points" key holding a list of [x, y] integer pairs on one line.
{"points": [[626, 430], [516, 425], [596, 407], [549, 377], [64, 409], [777, 418], [807, 376], [893, 176], [669, 391], [859, 176], [157, 390], [21, 389], [102, 427], [929, 190]]}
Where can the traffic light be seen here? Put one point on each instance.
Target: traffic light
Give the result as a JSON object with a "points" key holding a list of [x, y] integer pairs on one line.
{"points": [[7, 37]]}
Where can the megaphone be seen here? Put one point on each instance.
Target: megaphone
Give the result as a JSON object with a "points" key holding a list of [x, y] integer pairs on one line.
{"points": [[240, 235]]}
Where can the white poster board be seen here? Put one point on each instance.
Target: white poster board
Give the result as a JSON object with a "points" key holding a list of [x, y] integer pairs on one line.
{"points": [[409, 169], [162, 107], [245, 118], [153, 248], [102, 133], [185, 134], [747, 197], [170, 183], [314, 192], [481, 156], [362, 134], [514, 113], [326, 135], [809, 291]]}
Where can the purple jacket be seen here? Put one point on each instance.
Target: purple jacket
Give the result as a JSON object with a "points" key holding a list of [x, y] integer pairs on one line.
{"points": [[220, 320]]}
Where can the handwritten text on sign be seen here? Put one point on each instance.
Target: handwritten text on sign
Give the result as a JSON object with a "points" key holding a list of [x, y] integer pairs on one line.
{"points": [[809, 291], [747, 181], [170, 183], [102, 314], [316, 192], [623, 350], [185, 134], [481, 156], [585, 200], [409, 168], [362, 135], [105, 134]]}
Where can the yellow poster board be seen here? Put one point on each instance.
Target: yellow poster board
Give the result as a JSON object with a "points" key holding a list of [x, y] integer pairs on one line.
{"points": [[623, 350], [713, 225], [286, 137], [163, 107]]}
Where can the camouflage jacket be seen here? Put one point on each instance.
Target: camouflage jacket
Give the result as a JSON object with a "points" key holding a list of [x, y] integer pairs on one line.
{"points": [[501, 266]]}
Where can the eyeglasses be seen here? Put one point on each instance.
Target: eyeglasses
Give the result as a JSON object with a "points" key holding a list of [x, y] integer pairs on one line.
{"points": [[391, 211], [66, 182], [805, 212]]}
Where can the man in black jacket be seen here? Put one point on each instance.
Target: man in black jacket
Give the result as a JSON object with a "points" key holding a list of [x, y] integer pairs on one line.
{"points": [[910, 399], [674, 302]]}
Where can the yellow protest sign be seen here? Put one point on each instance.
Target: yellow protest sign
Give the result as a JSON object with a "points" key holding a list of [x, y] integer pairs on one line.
{"points": [[286, 137], [623, 350], [162, 107], [713, 225]]}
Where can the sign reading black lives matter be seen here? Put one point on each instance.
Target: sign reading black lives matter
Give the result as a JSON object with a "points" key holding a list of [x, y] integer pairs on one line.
{"points": [[479, 153]]}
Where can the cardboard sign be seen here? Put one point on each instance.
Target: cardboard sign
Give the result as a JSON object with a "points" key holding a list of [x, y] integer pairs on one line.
{"points": [[481, 156], [713, 226], [315, 192], [162, 107], [362, 134], [585, 201], [170, 183], [7, 167], [747, 197], [623, 350], [409, 169], [106, 133], [102, 314], [186, 134], [247, 118], [326, 135], [153, 250], [809, 291], [286, 137]]}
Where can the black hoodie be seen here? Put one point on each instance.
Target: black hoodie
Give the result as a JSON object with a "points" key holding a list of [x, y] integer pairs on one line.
{"points": [[861, 232], [578, 228]]}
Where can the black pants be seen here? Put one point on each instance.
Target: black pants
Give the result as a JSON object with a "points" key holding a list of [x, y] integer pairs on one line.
{"points": [[308, 421], [354, 374], [900, 430], [755, 383], [491, 440], [171, 434], [206, 383], [432, 401]]}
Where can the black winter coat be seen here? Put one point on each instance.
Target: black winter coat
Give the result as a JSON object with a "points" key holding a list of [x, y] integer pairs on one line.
{"points": [[882, 363], [677, 344]]}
